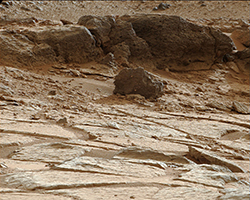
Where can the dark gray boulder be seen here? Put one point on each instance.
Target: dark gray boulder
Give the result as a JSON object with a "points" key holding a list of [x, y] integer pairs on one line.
{"points": [[178, 44], [138, 81]]}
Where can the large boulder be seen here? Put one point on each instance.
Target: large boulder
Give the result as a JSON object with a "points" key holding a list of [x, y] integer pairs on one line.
{"points": [[72, 44], [178, 44], [138, 81]]}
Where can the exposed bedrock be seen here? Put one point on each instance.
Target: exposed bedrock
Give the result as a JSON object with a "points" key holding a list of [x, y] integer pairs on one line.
{"points": [[160, 41], [178, 44]]}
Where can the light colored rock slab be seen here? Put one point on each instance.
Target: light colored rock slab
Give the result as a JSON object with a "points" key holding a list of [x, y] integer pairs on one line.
{"points": [[208, 157], [7, 139], [139, 153], [112, 166], [111, 193], [208, 175], [207, 128], [62, 180], [94, 144], [236, 144], [241, 193], [32, 196], [49, 152], [35, 129], [23, 165], [186, 193], [146, 142]]}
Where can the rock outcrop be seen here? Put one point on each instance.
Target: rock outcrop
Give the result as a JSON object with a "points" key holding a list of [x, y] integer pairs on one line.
{"points": [[180, 45], [72, 44], [142, 40], [18, 50]]}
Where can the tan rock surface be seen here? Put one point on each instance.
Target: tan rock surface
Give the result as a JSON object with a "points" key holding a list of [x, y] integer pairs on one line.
{"points": [[65, 135]]}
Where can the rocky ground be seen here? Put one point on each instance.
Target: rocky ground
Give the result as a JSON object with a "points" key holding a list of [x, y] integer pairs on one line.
{"points": [[72, 128]]}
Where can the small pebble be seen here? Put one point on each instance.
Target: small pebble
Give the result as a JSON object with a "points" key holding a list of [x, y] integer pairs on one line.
{"points": [[52, 92]]}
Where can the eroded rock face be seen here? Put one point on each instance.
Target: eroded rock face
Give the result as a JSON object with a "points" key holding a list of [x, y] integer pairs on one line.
{"points": [[100, 27], [70, 43], [16, 49], [180, 45], [137, 81], [243, 60], [144, 40], [243, 35]]}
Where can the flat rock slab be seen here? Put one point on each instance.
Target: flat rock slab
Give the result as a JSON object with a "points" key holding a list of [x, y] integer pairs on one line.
{"points": [[112, 166], [43, 130], [204, 127], [32, 196], [138, 153], [207, 157], [49, 152], [237, 145], [208, 175], [7, 139], [17, 165], [111, 193], [241, 193], [49, 180], [186, 193], [132, 130]]}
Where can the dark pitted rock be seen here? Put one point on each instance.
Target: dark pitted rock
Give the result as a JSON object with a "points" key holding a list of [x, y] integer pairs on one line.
{"points": [[138, 81], [72, 44], [180, 45], [121, 50]]}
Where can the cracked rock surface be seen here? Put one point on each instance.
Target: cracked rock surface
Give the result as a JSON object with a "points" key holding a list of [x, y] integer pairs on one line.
{"points": [[177, 126]]}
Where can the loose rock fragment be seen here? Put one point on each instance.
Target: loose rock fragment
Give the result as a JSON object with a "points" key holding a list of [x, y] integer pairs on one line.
{"points": [[163, 6], [138, 81], [62, 120]]}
